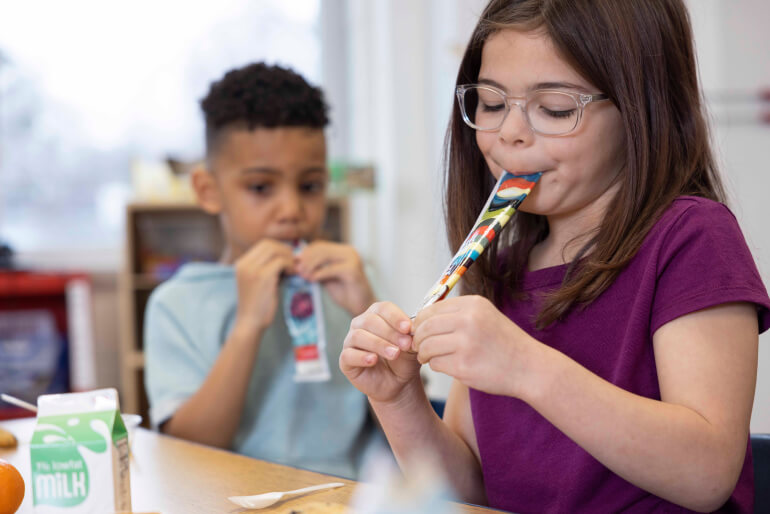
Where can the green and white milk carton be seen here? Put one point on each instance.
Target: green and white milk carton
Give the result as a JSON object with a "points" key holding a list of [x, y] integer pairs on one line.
{"points": [[79, 454]]}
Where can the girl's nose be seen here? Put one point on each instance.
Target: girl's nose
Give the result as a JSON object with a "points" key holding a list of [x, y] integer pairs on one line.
{"points": [[515, 128]]}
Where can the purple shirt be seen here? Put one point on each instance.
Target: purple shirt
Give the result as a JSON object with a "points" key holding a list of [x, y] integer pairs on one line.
{"points": [[694, 257]]}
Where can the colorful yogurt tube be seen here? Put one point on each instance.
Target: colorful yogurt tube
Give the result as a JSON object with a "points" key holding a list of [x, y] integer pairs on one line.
{"points": [[505, 198]]}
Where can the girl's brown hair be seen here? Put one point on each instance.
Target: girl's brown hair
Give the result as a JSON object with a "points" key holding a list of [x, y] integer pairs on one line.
{"points": [[640, 53]]}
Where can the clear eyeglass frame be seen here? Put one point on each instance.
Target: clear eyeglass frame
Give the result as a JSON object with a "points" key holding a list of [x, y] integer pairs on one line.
{"points": [[581, 100]]}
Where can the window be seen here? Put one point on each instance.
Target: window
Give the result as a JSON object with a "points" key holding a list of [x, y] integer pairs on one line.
{"points": [[87, 87]]}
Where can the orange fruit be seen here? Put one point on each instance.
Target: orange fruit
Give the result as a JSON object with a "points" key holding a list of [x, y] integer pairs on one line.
{"points": [[11, 488]]}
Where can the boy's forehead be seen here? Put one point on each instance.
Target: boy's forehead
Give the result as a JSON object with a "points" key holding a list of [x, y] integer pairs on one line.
{"points": [[279, 147]]}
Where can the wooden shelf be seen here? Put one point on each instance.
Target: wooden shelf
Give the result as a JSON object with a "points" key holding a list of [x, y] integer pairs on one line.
{"points": [[144, 281], [157, 242]]}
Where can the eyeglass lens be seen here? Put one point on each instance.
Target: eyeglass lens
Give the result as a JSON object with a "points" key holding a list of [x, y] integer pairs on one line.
{"points": [[548, 112]]}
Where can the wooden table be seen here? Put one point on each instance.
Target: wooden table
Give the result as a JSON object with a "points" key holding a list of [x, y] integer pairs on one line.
{"points": [[170, 475]]}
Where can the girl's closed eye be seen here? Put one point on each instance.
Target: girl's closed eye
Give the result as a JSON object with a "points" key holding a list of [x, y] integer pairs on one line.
{"points": [[492, 107], [557, 113]]}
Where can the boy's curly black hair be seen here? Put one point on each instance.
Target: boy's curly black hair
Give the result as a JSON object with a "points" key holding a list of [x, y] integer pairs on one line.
{"points": [[261, 95]]}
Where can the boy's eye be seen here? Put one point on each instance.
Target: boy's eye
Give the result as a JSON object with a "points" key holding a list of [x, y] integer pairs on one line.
{"points": [[259, 188], [312, 187]]}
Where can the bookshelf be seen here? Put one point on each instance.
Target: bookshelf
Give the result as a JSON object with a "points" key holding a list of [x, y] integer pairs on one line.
{"points": [[160, 237]]}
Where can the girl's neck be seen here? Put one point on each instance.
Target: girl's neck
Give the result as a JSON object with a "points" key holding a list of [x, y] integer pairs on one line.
{"points": [[568, 233], [558, 248]]}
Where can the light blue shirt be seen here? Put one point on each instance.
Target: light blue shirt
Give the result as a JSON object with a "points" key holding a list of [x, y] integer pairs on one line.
{"points": [[322, 426]]}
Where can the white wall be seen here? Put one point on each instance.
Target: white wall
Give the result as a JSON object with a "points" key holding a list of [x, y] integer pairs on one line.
{"points": [[733, 47], [403, 57], [401, 88]]}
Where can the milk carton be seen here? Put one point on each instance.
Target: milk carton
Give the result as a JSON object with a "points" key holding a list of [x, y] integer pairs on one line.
{"points": [[79, 454]]}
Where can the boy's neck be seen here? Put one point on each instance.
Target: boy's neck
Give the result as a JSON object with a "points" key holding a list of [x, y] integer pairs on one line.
{"points": [[229, 255]]}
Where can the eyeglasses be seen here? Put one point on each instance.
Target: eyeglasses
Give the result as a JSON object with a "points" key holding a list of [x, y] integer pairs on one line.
{"points": [[548, 112]]}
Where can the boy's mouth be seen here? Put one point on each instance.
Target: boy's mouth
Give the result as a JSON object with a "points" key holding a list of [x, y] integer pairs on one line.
{"points": [[288, 235]]}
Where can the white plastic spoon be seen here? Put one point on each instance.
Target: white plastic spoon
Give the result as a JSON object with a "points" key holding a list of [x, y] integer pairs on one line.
{"points": [[260, 501]]}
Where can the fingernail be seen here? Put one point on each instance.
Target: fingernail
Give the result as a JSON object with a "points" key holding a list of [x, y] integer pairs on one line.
{"points": [[404, 326], [404, 342], [391, 352]]}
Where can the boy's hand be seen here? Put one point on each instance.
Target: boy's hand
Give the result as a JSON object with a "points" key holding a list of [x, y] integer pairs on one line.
{"points": [[339, 268], [257, 273]]}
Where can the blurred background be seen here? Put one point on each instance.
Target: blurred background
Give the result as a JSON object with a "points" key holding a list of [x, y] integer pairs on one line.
{"points": [[99, 124]]}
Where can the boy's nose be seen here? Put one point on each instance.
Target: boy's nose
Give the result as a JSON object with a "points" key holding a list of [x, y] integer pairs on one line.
{"points": [[290, 206]]}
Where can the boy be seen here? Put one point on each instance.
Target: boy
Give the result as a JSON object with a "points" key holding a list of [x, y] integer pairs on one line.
{"points": [[219, 358]]}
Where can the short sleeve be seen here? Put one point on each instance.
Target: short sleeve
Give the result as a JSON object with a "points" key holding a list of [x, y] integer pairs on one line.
{"points": [[174, 368], [704, 261]]}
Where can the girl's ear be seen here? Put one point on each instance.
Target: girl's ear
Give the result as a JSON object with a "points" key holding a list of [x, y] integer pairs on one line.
{"points": [[206, 190]]}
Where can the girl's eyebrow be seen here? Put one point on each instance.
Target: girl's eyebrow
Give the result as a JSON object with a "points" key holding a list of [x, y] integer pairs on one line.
{"points": [[559, 85], [539, 85]]}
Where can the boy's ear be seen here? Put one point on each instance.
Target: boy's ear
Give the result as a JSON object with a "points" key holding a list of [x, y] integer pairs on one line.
{"points": [[206, 190]]}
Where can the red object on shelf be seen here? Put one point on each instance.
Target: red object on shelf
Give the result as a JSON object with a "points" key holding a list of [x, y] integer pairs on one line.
{"points": [[23, 292], [27, 283]]}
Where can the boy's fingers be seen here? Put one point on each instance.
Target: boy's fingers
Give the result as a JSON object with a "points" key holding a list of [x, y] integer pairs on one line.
{"points": [[311, 260], [266, 250], [329, 271], [272, 268]]}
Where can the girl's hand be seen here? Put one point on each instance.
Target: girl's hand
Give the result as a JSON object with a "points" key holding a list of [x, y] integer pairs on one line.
{"points": [[257, 274], [339, 269], [374, 356], [469, 339]]}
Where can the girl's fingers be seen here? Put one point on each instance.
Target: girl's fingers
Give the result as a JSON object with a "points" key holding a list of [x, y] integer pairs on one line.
{"points": [[380, 322], [362, 339], [352, 358], [442, 364], [448, 306], [433, 346], [393, 316], [431, 326]]}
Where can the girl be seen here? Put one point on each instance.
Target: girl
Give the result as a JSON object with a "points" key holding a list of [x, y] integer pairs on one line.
{"points": [[605, 350]]}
